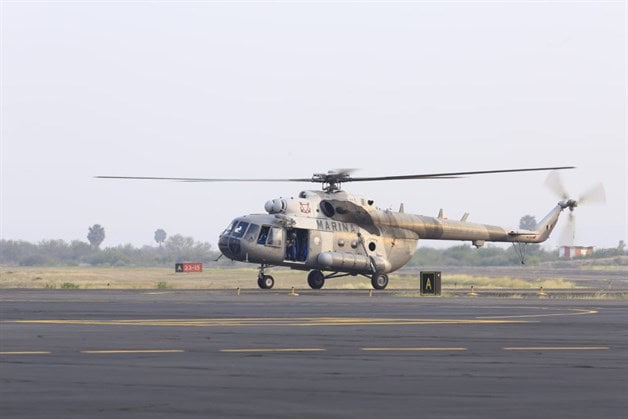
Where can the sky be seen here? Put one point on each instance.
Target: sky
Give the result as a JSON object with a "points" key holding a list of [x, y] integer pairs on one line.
{"points": [[288, 89]]}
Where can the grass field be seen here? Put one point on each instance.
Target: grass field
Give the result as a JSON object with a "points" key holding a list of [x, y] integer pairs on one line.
{"points": [[224, 278]]}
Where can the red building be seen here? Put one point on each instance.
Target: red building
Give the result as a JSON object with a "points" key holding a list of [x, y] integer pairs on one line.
{"points": [[570, 252]]}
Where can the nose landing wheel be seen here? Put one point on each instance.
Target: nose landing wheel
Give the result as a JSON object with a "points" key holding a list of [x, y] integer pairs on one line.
{"points": [[379, 281], [265, 282]]}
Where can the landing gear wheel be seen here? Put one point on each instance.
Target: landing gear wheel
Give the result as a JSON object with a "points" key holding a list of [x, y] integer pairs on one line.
{"points": [[379, 281], [265, 282], [316, 279]]}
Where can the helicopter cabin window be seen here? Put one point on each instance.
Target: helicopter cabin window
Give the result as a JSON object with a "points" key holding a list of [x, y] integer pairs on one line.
{"points": [[251, 234], [263, 235], [275, 237], [240, 229]]}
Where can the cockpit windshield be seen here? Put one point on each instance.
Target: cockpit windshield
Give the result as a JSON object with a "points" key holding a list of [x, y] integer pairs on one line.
{"points": [[240, 229], [236, 229]]}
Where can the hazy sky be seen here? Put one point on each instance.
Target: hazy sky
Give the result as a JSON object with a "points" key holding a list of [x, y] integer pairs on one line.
{"points": [[285, 89]]}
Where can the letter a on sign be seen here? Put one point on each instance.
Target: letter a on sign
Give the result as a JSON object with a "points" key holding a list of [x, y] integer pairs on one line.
{"points": [[430, 283]]}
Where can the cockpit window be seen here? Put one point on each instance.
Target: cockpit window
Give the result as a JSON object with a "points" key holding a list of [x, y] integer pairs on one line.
{"points": [[228, 229], [240, 229]]}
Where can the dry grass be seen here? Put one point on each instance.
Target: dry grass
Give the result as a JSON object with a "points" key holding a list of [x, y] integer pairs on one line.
{"points": [[605, 268], [123, 278], [220, 278], [163, 278]]}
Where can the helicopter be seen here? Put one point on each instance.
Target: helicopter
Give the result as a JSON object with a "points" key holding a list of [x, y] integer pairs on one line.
{"points": [[332, 233]]}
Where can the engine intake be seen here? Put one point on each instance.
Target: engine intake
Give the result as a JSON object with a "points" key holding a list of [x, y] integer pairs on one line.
{"points": [[276, 206]]}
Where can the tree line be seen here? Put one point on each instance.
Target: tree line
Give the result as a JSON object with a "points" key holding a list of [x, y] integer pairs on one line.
{"points": [[174, 249], [179, 248]]}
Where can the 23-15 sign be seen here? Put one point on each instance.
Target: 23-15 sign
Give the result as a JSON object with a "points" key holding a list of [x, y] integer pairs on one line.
{"points": [[188, 267]]}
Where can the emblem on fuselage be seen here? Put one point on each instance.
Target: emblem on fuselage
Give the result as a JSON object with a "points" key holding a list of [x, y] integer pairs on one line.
{"points": [[305, 207]]}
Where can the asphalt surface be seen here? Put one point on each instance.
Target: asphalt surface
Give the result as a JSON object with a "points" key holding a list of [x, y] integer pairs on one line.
{"points": [[138, 354]]}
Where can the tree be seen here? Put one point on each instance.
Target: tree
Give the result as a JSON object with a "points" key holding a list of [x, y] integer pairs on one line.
{"points": [[527, 222], [96, 235], [160, 236], [181, 248]]}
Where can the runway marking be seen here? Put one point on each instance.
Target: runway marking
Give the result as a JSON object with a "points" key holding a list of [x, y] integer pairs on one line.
{"points": [[317, 321], [557, 348], [252, 350], [572, 312], [413, 349], [132, 351], [297, 350], [26, 353], [279, 321]]}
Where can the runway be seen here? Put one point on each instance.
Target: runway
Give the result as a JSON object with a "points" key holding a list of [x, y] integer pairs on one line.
{"points": [[74, 353]]}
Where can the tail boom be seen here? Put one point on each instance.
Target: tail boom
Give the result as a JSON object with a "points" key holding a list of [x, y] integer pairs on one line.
{"points": [[431, 228]]}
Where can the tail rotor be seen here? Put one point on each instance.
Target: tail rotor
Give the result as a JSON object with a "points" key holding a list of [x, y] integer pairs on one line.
{"points": [[594, 195]]}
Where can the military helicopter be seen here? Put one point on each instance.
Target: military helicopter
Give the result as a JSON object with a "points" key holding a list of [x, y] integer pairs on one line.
{"points": [[332, 233]]}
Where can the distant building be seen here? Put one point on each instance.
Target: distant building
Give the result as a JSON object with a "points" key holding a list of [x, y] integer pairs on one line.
{"points": [[570, 252]]}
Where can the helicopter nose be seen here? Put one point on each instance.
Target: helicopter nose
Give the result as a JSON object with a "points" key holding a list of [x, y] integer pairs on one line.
{"points": [[230, 247]]}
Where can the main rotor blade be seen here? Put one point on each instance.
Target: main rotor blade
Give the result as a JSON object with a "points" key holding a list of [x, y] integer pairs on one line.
{"points": [[451, 175], [186, 179], [340, 176]]}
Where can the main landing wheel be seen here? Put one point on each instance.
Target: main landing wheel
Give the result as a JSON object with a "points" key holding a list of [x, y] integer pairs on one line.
{"points": [[379, 281], [265, 282], [316, 279]]}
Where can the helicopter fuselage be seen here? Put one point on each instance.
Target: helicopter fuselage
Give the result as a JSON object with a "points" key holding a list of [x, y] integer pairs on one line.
{"points": [[297, 233], [340, 232]]}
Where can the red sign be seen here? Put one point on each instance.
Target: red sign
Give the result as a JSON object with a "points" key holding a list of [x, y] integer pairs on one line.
{"points": [[188, 267]]}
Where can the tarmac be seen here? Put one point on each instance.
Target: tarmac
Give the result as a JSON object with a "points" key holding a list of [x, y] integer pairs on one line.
{"points": [[318, 354]]}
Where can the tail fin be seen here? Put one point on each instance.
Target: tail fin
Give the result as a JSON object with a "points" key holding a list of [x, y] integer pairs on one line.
{"points": [[542, 230], [545, 227]]}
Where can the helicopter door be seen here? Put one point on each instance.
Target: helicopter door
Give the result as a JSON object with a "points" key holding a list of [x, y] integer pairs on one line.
{"points": [[303, 237], [297, 244]]}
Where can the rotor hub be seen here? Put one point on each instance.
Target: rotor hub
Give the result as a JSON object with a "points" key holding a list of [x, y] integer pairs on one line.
{"points": [[569, 203], [331, 180]]}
